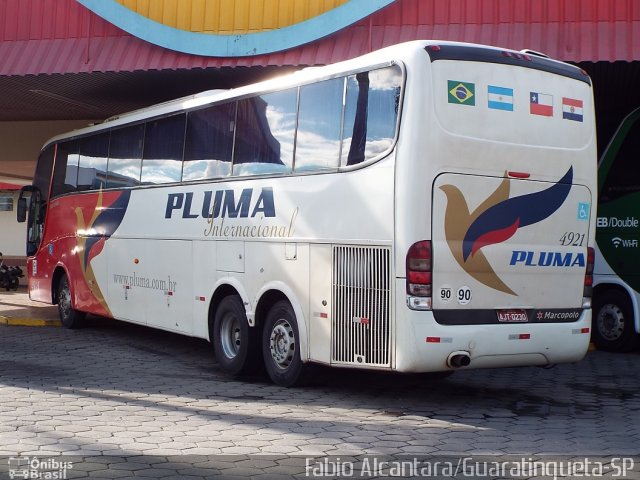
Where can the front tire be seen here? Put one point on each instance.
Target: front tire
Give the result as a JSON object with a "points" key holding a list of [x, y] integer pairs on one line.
{"points": [[69, 317], [281, 346], [234, 342], [613, 322]]}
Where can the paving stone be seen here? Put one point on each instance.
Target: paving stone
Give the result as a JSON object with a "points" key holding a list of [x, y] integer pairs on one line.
{"points": [[178, 404]]}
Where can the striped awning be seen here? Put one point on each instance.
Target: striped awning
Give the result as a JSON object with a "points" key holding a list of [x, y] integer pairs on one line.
{"points": [[67, 38]]}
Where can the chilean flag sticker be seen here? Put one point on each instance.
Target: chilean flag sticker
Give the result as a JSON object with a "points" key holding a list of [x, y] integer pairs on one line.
{"points": [[572, 109], [541, 104]]}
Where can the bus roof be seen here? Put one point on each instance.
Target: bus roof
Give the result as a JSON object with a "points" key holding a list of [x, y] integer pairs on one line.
{"points": [[387, 55]]}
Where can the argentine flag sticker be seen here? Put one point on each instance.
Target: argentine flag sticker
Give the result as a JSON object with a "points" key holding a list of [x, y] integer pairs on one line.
{"points": [[500, 98]]}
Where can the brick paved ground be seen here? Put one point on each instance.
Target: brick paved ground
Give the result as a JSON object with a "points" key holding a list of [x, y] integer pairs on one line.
{"points": [[129, 401]]}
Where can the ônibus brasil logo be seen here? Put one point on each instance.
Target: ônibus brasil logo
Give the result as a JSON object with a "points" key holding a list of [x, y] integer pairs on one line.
{"points": [[494, 221]]}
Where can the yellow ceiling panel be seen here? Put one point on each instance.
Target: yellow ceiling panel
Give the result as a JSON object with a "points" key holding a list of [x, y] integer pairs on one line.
{"points": [[230, 16]]}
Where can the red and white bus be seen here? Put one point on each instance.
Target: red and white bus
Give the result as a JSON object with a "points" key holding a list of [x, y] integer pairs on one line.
{"points": [[425, 207]]}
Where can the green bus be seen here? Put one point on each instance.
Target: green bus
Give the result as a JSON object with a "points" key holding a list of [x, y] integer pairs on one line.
{"points": [[616, 296]]}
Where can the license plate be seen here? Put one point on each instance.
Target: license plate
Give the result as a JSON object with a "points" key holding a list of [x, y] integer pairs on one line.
{"points": [[512, 316]]}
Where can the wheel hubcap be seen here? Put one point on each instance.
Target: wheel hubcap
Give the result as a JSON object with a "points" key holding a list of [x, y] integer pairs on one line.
{"points": [[610, 322], [230, 336], [282, 344]]}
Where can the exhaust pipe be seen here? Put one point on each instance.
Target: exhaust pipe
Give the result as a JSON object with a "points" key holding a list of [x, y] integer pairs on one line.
{"points": [[458, 359]]}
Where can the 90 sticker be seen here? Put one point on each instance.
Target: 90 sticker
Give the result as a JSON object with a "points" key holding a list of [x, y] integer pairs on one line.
{"points": [[463, 295], [446, 293]]}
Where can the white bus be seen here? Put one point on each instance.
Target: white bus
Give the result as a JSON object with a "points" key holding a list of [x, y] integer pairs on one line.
{"points": [[422, 208]]}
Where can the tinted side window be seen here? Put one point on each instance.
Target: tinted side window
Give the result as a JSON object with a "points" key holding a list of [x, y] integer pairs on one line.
{"points": [[265, 133], [209, 142], [92, 169], [65, 176], [163, 147], [44, 169], [370, 114], [624, 175], [319, 118], [125, 157]]}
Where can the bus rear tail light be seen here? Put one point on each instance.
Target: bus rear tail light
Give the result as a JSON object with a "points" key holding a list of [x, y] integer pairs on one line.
{"points": [[419, 275], [588, 279]]}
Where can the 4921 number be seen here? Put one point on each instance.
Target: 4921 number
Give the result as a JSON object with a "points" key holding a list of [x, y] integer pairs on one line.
{"points": [[573, 239]]}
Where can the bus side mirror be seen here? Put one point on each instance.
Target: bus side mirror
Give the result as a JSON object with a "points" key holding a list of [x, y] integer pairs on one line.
{"points": [[22, 210]]}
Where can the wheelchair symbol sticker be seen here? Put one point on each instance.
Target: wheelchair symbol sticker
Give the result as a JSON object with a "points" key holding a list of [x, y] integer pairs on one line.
{"points": [[583, 211]]}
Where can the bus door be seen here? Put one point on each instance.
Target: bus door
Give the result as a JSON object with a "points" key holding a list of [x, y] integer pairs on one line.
{"points": [[31, 209]]}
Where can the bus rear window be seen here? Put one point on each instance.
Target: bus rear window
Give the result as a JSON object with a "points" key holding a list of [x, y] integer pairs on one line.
{"points": [[371, 113]]}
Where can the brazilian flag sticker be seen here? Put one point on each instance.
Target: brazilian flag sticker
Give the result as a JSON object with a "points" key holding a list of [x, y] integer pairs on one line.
{"points": [[462, 93]]}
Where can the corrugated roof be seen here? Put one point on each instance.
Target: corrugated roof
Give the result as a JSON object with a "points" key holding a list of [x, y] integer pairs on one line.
{"points": [[45, 37]]}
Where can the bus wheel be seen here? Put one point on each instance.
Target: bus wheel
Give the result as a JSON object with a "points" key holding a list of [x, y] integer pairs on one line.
{"points": [[69, 317], [281, 347], [233, 340], [613, 328]]}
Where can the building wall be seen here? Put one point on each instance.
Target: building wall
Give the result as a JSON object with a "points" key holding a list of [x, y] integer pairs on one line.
{"points": [[12, 233], [20, 143]]}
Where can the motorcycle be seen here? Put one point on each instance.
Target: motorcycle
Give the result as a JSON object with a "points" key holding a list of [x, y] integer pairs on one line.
{"points": [[9, 276]]}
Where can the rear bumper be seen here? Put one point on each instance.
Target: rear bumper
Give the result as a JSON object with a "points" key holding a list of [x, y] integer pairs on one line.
{"points": [[423, 345]]}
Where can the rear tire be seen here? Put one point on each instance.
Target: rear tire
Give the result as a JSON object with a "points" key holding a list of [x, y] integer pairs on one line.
{"points": [[69, 317], [281, 346], [613, 322], [235, 344]]}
